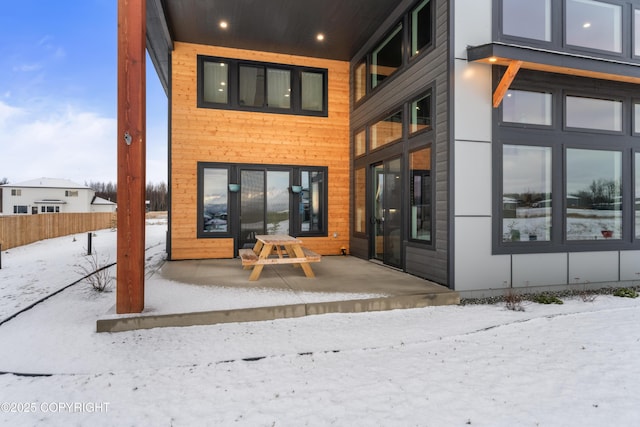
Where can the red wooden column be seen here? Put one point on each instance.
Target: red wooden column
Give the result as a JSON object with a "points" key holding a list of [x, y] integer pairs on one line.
{"points": [[131, 140]]}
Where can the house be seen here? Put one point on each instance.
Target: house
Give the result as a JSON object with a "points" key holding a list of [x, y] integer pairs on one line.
{"points": [[416, 133], [51, 195]]}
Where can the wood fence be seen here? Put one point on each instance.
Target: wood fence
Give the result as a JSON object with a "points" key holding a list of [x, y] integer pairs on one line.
{"points": [[18, 230]]}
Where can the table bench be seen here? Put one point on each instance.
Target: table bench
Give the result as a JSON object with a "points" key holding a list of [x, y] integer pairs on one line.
{"points": [[277, 249]]}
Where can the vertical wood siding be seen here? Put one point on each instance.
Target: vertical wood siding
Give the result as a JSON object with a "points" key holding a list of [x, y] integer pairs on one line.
{"points": [[210, 135]]}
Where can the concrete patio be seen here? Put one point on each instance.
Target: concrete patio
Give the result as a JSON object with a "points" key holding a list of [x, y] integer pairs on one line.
{"points": [[343, 284]]}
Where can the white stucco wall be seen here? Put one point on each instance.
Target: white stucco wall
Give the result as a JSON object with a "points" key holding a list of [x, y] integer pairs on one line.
{"points": [[477, 271]]}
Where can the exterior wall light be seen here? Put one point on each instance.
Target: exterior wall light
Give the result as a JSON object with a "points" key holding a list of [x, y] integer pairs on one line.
{"points": [[296, 188], [234, 188]]}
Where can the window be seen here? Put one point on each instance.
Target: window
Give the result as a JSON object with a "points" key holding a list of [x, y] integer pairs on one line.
{"points": [[255, 86], [636, 32], [526, 193], [215, 200], [216, 82], [527, 18], [636, 198], [360, 210], [244, 200], [16, 192], [71, 193], [387, 57], [313, 91], [311, 199], [278, 88], [592, 113], [386, 130], [520, 106], [20, 209], [420, 194], [636, 118], [420, 114], [574, 186], [594, 194], [360, 80], [360, 143], [594, 25], [420, 27]]}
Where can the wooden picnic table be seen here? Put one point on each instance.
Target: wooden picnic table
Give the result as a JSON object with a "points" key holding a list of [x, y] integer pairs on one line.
{"points": [[273, 249]]}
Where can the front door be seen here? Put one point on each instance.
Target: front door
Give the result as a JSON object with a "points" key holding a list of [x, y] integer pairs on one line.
{"points": [[264, 204], [387, 212]]}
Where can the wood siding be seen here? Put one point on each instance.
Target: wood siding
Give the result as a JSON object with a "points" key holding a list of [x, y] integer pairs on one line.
{"points": [[431, 70], [229, 136]]}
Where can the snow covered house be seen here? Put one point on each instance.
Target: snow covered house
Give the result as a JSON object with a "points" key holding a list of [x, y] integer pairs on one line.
{"points": [[50, 195], [481, 144]]}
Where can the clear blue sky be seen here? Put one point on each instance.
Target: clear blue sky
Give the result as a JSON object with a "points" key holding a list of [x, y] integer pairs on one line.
{"points": [[58, 93]]}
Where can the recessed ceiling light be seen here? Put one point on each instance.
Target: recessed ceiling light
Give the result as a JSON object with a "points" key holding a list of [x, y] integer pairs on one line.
{"points": [[493, 59], [224, 24], [320, 37], [586, 25]]}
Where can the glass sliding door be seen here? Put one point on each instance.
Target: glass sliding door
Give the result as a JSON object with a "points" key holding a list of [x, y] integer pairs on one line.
{"points": [[264, 204], [387, 211]]}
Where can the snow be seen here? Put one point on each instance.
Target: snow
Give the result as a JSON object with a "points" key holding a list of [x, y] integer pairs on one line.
{"points": [[572, 365]]}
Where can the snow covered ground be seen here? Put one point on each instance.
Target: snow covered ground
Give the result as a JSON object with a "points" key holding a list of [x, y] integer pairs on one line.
{"points": [[574, 364]]}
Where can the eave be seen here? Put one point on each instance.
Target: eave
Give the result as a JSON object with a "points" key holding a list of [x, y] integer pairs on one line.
{"points": [[520, 57]]}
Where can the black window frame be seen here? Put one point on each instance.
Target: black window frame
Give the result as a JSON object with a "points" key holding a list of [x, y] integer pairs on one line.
{"points": [[295, 198], [560, 139], [408, 59], [233, 85], [558, 35]]}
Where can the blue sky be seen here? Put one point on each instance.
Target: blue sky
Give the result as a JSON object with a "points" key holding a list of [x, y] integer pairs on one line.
{"points": [[58, 93]]}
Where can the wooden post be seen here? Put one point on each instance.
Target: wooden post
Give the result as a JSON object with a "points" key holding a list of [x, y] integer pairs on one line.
{"points": [[131, 140]]}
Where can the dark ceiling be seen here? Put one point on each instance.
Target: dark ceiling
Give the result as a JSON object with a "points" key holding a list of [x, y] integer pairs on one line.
{"points": [[283, 26]]}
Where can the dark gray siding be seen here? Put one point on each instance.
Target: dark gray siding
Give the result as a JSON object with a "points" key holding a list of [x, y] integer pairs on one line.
{"points": [[430, 70]]}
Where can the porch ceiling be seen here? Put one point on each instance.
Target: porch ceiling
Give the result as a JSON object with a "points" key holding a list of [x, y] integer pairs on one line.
{"points": [[280, 26]]}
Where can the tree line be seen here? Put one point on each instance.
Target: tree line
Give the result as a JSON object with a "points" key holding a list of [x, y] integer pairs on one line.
{"points": [[156, 194]]}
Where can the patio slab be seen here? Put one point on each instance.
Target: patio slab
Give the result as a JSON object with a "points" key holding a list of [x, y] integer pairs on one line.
{"points": [[343, 284]]}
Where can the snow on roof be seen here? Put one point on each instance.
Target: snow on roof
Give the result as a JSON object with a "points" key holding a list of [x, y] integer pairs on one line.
{"points": [[101, 201], [47, 183]]}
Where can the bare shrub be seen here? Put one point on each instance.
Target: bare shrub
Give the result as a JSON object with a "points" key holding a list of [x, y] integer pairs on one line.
{"points": [[513, 300], [96, 273]]}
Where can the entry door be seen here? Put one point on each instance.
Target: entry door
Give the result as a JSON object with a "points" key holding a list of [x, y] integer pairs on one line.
{"points": [[264, 204], [387, 211]]}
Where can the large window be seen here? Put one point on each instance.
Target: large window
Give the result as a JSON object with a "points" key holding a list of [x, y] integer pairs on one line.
{"points": [[420, 194], [244, 200], [527, 18], [594, 24], [215, 200], [594, 194], [572, 186], [274, 88], [526, 193], [412, 37]]}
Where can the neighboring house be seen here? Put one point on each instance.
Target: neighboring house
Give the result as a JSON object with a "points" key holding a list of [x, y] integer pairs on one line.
{"points": [[481, 144], [49, 195]]}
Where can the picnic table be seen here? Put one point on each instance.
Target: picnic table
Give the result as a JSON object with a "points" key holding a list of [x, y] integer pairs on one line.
{"points": [[273, 249]]}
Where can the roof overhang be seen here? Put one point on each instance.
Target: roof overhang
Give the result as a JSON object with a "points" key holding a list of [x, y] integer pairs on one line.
{"points": [[520, 57], [278, 26]]}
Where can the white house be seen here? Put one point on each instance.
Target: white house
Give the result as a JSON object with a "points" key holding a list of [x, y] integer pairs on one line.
{"points": [[51, 195]]}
